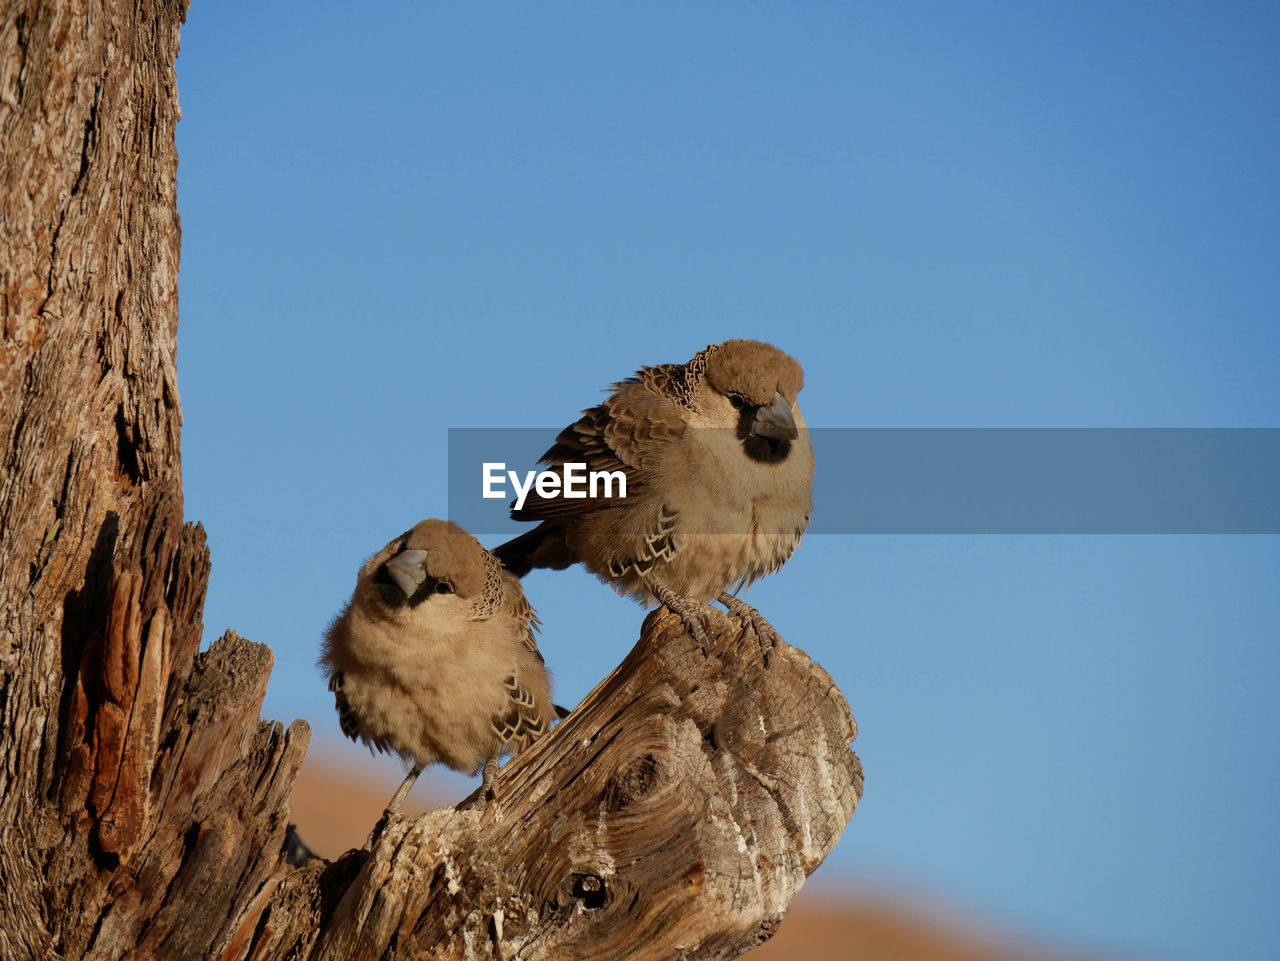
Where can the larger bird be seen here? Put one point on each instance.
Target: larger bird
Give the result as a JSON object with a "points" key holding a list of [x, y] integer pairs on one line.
{"points": [[434, 656], [719, 477]]}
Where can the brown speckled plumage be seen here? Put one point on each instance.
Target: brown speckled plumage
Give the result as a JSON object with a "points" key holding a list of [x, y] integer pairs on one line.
{"points": [[434, 656], [719, 473]]}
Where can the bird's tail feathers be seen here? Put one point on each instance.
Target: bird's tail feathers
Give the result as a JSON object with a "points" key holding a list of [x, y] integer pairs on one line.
{"points": [[541, 547]]}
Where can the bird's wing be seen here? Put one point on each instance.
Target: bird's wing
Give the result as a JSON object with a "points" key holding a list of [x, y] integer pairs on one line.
{"points": [[346, 717], [522, 722], [518, 607], [625, 433], [658, 544]]}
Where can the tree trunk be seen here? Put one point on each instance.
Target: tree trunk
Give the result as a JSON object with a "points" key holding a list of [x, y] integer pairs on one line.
{"points": [[143, 804]]}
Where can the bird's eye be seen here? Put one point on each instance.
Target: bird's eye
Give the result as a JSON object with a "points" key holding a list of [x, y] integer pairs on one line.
{"points": [[444, 587], [737, 401]]}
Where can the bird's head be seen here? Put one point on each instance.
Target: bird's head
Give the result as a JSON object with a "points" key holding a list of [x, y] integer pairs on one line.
{"points": [[751, 387], [435, 563]]}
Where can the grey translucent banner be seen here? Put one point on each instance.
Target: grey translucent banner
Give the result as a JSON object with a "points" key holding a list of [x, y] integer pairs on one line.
{"points": [[969, 480]]}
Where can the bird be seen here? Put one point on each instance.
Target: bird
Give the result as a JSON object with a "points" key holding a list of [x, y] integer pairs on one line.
{"points": [[434, 657], [719, 478]]}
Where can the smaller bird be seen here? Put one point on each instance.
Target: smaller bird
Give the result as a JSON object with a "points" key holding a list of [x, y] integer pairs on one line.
{"points": [[434, 657]]}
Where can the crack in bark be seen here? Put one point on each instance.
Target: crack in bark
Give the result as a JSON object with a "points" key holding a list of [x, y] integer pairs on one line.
{"points": [[53, 264], [20, 22], [90, 141]]}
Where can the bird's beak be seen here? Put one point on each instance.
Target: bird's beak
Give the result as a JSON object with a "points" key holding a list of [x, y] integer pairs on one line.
{"points": [[408, 569], [775, 420]]}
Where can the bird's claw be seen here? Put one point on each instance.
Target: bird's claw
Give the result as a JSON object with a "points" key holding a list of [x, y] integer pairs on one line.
{"points": [[765, 633], [388, 815], [693, 624], [690, 612]]}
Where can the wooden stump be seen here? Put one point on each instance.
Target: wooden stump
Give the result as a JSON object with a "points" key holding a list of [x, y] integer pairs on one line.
{"points": [[674, 814]]}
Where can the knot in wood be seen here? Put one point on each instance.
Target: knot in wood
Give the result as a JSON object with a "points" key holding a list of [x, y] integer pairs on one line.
{"points": [[632, 783], [590, 890]]}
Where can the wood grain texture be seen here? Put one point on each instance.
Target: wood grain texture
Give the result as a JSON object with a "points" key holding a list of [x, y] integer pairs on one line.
{"points": [[138, 788], [674, 814]]}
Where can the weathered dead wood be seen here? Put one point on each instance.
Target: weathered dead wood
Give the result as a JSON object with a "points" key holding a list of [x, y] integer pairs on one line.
{"points": [[142, 801], [674, 814]]}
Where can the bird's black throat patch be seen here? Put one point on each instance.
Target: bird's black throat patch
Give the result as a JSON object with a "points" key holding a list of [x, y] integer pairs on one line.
{"points": [[391, 594], [388, 590], [763, 450], [767, 450]]}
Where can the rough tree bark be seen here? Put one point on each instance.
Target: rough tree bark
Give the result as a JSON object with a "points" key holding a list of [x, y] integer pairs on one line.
{"points": [[143, 804]]}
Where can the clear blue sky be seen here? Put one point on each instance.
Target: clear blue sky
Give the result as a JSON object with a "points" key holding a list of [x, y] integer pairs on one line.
{"points": [[399, 218]]}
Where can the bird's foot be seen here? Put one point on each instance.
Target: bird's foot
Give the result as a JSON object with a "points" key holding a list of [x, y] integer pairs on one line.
{"points": [[392, 809], [689, 610], [487, 778], [746, 614], [487, 792], [397, 799]]}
